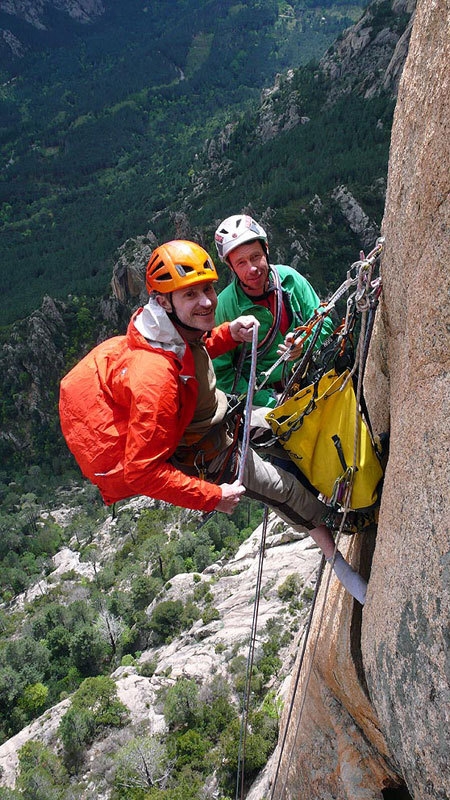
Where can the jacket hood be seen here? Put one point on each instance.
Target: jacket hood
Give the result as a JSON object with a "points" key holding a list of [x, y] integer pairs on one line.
{"points": [[154, 324]]}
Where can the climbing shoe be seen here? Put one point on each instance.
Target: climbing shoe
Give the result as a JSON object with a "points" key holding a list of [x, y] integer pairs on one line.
{"points": [[354, 522]]}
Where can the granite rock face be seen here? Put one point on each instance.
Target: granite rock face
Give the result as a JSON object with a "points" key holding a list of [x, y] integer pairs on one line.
{"points": [[371, 711], [407, 661]]}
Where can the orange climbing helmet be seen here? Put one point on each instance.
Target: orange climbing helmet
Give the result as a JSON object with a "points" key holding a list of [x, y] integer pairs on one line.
{"points": [[178, 264]]}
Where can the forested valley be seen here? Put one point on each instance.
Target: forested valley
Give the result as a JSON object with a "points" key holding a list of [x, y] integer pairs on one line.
{"points": [[103, 129]]}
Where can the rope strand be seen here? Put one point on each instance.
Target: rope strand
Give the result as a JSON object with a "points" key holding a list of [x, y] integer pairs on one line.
{"points": [[250, 659]]}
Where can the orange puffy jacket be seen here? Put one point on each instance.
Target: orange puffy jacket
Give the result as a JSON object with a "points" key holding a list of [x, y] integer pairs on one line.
{"points": [[123, 410]]}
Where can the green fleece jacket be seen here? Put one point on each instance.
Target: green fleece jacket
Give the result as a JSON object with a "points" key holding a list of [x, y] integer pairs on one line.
{"points": [[301, 301]]}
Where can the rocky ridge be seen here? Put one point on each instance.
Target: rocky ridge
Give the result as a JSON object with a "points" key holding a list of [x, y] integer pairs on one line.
{"points": [[33, 11], [370, 56], [202, 651], [366, 60]]}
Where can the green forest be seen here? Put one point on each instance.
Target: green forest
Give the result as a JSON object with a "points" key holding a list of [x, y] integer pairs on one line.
{"points": [[102, 129], [65, 641]]}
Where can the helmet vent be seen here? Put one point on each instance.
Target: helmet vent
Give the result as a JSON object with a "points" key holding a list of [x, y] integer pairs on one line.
{"points": [[165, 277], [183, 270]]}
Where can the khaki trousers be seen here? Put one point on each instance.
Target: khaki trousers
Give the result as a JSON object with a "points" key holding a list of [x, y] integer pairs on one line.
{"points": [[280, 490]]}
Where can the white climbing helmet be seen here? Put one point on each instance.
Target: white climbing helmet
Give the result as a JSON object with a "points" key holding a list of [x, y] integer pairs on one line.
{"points": [[236, 230]]}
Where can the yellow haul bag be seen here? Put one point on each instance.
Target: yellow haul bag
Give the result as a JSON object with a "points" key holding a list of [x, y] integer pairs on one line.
{"points": [[316, 427]]}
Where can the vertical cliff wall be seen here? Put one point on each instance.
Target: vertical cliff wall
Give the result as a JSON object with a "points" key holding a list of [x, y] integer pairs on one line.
{"points": [[405, 633], [370, 717]]}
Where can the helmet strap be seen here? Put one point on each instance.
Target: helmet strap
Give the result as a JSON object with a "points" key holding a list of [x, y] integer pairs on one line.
{"points": [[179, 324], [173, 316]]}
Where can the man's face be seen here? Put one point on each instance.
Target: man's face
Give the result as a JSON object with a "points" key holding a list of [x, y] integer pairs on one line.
{"points": [[249, 263], [195, 305]]}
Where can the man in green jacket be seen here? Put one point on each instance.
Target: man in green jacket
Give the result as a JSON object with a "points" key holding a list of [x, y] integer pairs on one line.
{"points": [[278, 296]]}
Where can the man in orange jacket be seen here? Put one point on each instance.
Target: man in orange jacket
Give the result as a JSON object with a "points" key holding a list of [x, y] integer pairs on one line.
{"points": [[176, 440]]}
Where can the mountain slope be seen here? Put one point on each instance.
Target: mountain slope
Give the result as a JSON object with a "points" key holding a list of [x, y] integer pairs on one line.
{"points": [[101, 125], [211, 650]]}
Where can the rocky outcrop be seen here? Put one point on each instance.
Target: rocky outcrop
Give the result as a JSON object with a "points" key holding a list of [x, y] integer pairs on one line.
{"points": [[368, 58], [280, 108], [12, 43], [34, 356], [365, 61], [357, 219], [372, 708], [371, 54], [33, 11], [31, 362], [407, 662], [202, 651], [128, 279]]}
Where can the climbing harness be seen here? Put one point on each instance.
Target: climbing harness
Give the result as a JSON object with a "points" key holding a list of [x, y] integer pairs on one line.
{"points": [[266, 343]]}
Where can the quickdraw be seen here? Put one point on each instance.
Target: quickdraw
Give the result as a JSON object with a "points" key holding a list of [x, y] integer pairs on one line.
{"points": [[359, 276]]}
